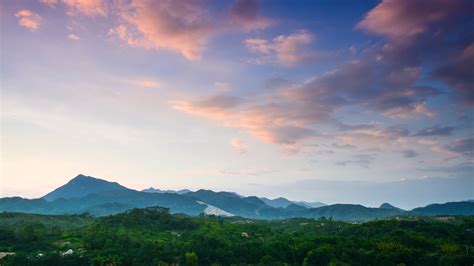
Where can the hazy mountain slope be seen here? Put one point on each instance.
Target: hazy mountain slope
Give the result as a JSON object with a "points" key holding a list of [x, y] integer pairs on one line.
{"points": [[104, 203], [81, 186], [251, 207], [17, 204], [388, 206], [277, 203], [156, 190], [283, 203], [308, 204], [450, 208]]}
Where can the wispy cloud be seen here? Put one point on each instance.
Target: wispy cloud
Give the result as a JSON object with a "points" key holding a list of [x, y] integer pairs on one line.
{"points": [[73, 37], [434, 131], [285, 49], [239, 145], [146, 83]]}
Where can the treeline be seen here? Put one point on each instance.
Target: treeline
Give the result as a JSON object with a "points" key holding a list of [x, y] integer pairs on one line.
{"points": [[152, 236]]}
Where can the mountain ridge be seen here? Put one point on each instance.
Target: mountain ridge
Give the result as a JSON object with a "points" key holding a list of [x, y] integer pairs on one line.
{"points": [[100, 197]]}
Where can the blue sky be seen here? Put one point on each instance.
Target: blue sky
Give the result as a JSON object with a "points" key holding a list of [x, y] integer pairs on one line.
{"points": [[248, 96]]}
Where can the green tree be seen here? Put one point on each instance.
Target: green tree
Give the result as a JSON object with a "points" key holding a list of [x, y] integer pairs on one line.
{"points": [[191, 259]]}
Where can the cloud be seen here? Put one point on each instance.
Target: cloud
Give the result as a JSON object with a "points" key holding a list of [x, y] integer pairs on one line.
{"points": [[182, 26], [270, 123], [288, 115], [239, 145], [28, 19], [407, 18], [222, 86], [91, 8], [362, 160], [371, 83], [245, 14], [434, 131], [285, 49], [50, 3], [460, 147], [458, 72], [409, 153], [73, 37], [385, 78], [429, 31], [146, 83], [390, 138]]}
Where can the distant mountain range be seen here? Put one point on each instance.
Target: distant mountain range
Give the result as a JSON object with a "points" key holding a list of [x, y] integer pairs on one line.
{"points": [[100, 197]]}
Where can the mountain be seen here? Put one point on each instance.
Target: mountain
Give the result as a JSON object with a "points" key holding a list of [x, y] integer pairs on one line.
{"points": [[156, 190], [295, 208], [81, 186], [307, 204], [449, 208], [100, 197], [232, 203], [277, 203], [104, 203], [388, 206], [283, 203]]}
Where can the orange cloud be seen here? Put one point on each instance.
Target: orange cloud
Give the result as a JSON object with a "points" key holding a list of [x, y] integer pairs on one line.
{"points": [[28, 19], [269, 123], [146, 83]]}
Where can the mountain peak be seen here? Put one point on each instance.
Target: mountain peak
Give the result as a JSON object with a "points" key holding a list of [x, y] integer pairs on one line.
{"points": [[82, 185], [83, 177], [387, 206]]}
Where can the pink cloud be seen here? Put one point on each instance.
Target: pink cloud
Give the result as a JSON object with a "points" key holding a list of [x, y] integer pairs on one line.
{"points": [[73, 37], [286, 49], [182, 26], [270, 123], [90, 8], [28, 19]]}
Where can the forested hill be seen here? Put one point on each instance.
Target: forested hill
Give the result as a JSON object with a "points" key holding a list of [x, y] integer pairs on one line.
{"points": [[153, 236]]}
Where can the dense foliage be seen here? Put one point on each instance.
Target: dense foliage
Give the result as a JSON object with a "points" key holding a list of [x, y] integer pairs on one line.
{"points": [[153, 236]]}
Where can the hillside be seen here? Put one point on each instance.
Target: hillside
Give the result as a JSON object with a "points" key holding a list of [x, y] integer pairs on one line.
{"points": [[450, 208]]}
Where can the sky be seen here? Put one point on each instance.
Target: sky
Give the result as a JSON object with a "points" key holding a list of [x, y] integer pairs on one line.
{"points": [[333, 101]]}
